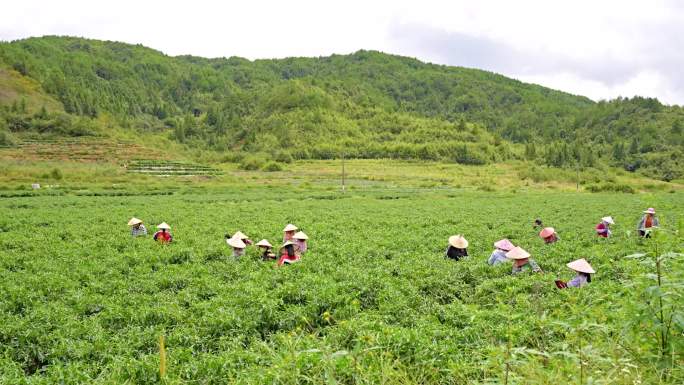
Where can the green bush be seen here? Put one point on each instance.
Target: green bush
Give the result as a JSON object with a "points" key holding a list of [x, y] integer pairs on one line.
{"points": [[272, 166], [56, 174], [610, 187], [251, 163]]}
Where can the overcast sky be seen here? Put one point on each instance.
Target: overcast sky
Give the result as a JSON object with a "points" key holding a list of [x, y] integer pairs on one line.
{"points": [[600, 48]]}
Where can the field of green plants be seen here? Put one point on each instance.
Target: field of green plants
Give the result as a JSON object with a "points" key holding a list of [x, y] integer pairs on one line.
{"points": [[372, 302]]}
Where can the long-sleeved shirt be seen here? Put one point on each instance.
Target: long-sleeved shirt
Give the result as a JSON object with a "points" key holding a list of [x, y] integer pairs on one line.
{"points": [[602, 230], [579, 281], [163, 236], [643, 225], [455, 253], [138, 231], [530, 265], [498, 256]]}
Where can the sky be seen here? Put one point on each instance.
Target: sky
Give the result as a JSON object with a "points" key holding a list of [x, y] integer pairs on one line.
{"points": [[600, 48]]}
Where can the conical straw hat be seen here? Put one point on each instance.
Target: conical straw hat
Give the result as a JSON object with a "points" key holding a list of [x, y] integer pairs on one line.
{"points": [[300, 235], [517, 253], [608, 219], [504, 245], [164, 226], [582, 266], [264, 243], [236, 242], [134, 221], [458, 241], [547, 232], [290, 227], [650, 210], [287, 243], [240, 235]]}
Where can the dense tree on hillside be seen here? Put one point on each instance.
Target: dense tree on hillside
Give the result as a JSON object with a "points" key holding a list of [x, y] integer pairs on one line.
{"points": [[367, 104]]}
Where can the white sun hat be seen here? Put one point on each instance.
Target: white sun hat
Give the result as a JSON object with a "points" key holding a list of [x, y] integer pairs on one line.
{"points": [[650, 210], [458, 241], [236, 243], [134, 221], [517, 253], [608, 219], [164, 226], [264, 243], [290, 227], [300, 235], [582, 266]]}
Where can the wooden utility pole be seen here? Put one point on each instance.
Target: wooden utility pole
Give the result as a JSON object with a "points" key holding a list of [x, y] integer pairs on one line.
{"points": [[343, 173]]}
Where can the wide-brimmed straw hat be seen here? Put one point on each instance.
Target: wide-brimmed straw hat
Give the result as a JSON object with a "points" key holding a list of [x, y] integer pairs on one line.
{"points": [[650, 210], [134, 221], [264, 243], [517, 253], [582, 266], [290, 227], [458, 241], [164, 226], [608, 219], [236, 243], [240, 235], [504, 244], [300, 235], [547, 232]]}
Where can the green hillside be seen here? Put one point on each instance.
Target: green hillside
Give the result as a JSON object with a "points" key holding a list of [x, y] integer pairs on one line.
{"points": [[364, 105]]}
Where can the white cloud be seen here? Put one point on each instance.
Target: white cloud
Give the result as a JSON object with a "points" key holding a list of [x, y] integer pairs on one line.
{"points": [[602, 49]]}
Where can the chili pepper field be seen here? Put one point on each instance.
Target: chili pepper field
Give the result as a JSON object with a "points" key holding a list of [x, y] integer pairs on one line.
{"points": [[373, 301]]}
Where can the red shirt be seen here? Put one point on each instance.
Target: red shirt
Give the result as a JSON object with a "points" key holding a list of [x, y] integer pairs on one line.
{"points": [[601, 230], [287, 258], [648, 223], [162, 236]]}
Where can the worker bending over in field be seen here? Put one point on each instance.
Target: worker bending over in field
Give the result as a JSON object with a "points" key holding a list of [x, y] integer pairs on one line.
{"points": [[548, 234], [241, 236], [457, 248], [647, 223], [137, 227], [288, 254], [237, 245], [499, 255], [266, 252], [299, 239], [603, 228], [163, 235], [289, 232], [538, 224], [522, 261], [584, 272]]}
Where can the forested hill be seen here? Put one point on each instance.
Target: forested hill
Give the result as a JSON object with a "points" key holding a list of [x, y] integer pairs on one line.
{"points": [[367, 104]]}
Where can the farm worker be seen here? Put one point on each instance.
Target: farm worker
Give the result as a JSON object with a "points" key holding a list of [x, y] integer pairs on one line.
{"points": [[548, 234], [287, 254], [499, 255], [647, 222], [266, 247], [299, 240], [289, 232], [238, 246], [538, 224], [163, 235], [241, 236], [522, 261], [603, 228], [457, 248], [137, 227], [584, 272]]}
